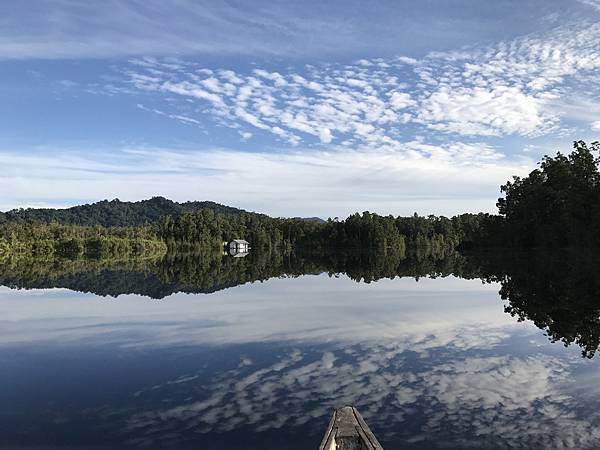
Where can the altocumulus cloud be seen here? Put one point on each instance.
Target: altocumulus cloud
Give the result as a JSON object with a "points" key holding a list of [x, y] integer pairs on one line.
{"points": [[392, 135], [434, 134], [512, 88]]}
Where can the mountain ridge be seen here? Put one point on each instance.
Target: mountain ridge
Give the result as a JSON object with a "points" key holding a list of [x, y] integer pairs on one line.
{"points": [[110, 213]]}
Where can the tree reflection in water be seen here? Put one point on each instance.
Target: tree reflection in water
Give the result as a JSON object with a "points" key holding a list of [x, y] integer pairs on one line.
{"points": [[559, 292]]}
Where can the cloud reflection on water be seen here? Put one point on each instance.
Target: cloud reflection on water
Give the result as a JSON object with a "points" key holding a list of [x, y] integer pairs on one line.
{"points": [[310, 308], [467, 397], [437, 361]]}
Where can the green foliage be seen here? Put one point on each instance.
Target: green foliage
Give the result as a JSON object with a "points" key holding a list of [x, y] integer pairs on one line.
{"points": [[71, 248], [114, 213], [205, 230], [366, 231], [556, 205], [47, 240]]}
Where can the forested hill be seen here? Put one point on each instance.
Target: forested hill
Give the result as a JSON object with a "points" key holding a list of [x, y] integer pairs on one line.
{"points": [[115, 212]]}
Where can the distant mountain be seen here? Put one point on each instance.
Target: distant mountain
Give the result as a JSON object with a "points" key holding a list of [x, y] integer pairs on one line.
{"points": [[115, 212], [312, 219]]}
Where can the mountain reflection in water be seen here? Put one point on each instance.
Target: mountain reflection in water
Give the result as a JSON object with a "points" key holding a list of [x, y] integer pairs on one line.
{"points": [[433, 363]]}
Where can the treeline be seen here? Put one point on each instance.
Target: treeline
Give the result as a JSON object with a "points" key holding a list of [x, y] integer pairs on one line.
{"points": [[53, 239], [360, 231], [555, 206], [208, 230], [434, 234]]}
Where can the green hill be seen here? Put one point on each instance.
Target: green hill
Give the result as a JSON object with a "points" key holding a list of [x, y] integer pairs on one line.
{"points": [[114, 212]]}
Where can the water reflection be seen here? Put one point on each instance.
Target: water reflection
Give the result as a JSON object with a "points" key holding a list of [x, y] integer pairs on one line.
{"points": [[433, 363], [457, 398], [559, 292], [211, 271]]}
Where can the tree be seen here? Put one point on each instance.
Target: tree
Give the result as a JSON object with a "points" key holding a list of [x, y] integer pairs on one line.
{"points": [[557, 204]]}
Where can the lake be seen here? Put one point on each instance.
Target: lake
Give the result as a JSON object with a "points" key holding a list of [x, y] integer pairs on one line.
{"points": [[256, 352]]}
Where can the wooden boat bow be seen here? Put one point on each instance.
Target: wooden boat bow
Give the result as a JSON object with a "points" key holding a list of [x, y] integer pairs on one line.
{"points": [[347, 430]]}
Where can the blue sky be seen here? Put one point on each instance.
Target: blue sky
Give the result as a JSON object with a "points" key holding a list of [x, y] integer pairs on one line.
{"points": [[291, 108]]}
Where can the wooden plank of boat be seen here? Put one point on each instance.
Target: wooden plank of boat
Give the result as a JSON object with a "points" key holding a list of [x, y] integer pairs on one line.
{"points": [[347, 430]]}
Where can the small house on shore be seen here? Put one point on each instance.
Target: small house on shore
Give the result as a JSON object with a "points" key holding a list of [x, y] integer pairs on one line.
{"points": [[239, 246]]}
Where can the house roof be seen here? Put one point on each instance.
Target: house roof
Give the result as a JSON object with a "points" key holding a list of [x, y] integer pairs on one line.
{"points": [[240, 241]]}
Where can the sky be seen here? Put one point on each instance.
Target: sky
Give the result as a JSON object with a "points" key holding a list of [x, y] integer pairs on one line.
{"points": [[291, 108]]}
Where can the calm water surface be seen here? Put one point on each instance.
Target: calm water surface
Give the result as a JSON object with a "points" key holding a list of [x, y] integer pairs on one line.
{"points": [[429, 363]]}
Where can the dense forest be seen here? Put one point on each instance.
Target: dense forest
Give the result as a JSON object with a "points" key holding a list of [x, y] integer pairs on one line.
{"points": [[208, 229], [364, 231], [45, 240], [555, 206]]}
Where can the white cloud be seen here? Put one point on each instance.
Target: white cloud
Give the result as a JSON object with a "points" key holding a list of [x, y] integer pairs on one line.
{"points": [[596, 125], [113, 29], [325, 135], [245, 135], [512, 88], [418, 177], [479, 111], [179, 117], [401, 100], [593, 3], [407, 60], [190, 90]]}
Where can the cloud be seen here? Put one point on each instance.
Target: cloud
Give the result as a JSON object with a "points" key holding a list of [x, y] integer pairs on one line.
{"points": [[342, 102], [50, 29], [401, 100], [593, 3], [596, 125], [235, 320], [391, 134], [417, 177], [517, 87], [325, 136], [179, 117], [485, 111], [511, 88]]}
